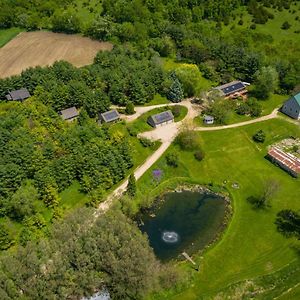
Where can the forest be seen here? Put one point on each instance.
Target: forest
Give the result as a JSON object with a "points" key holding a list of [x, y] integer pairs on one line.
{"points": [[41, 155]]}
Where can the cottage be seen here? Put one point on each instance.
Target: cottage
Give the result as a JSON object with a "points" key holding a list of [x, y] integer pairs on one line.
{"points": [[109, 116], [292, 107], [286, 161], [161, 119], [18, 95], [208, 120], [69, 114], [232, 89]]}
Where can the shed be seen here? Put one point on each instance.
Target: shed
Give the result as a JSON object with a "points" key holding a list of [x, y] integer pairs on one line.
{"points": [[161, 119], [286, 161], [69, 114], [208, 120], [292, 107], [232, 89], [18, 95], [109, 116]]}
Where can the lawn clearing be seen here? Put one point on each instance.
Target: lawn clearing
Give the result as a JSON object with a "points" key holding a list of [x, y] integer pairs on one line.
{"points": [[8, 34], [41, 48], [251, 246]]}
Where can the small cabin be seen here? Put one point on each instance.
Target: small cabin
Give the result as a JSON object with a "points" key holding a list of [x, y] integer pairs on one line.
{"points": [[109, 116], [161, 119], [18, 95], [69, 114], [208, 120], [292, 107]]}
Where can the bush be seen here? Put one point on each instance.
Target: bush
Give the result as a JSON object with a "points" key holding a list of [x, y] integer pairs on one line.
{"points": [[129, 108], [176, 110], [199, 155], [172, 159], [241, 22], [188, 140], [146, 142], [259, 136], [253, 26], [285, 25]]}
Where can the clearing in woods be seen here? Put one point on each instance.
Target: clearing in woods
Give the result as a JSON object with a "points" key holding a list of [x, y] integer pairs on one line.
{"points": [[40, 48]]}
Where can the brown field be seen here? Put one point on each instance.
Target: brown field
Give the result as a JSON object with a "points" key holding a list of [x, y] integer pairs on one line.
{"points": [[40, 48]]}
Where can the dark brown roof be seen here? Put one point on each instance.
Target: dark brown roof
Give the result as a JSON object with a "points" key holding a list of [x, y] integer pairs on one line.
{"points": [[21, 94]]}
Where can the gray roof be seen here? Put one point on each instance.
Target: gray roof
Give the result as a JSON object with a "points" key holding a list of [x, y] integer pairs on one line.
{"points": [[231, 87], [69, 113], [110, 116], [162, 117], [208, 118], [21, 94]]}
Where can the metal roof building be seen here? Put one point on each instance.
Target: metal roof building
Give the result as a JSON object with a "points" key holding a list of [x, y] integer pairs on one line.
{"points": [[160, 119], [18, 95], [231, 88], [69, 114], [286, 161], [109, 116]]}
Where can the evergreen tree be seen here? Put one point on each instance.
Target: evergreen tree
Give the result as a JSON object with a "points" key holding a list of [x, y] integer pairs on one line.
{"points": [[131, 187], [175, 93]]}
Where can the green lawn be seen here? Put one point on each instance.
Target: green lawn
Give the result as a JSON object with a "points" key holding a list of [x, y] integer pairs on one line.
{"points": [[8, 34], [141, 125], [251, 246]]}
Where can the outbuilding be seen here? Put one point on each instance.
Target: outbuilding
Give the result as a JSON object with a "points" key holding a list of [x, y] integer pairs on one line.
{"points": [[292, 107], [208, 120], [109, 116], [286, 161], [163, 118], [18, 95], [69, 114], [233, 89]]}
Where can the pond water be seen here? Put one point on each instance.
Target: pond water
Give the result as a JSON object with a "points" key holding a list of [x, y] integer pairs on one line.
{"points": [[185, 221]]}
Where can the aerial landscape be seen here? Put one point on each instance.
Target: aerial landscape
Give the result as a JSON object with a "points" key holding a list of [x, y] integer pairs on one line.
{"points": [[150, 149]]}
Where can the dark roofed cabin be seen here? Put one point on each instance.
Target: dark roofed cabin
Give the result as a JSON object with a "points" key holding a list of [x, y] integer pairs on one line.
{"points": [[69, 114], [232, 89], [161, 119], [109, 116], [18, 95]]}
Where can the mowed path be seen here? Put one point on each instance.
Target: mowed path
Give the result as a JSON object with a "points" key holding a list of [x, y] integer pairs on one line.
{"points": [[40, 48]]}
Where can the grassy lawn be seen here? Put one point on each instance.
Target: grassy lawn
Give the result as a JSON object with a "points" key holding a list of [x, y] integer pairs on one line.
{"points": [[141, 125], [8, 34], [158, 99], [251, 247]]}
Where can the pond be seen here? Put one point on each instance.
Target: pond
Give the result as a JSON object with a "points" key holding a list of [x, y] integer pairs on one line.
{"points": [[184, 221]]}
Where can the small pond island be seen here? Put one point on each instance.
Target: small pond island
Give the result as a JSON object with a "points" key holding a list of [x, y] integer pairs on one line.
{"points": [[184, 221]]}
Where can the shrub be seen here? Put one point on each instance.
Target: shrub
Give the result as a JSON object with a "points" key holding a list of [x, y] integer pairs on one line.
{"points": [[253, 26], [241, 22], [129, 108], [146, 142], [285, 25], [176, 110], [199, 155], [188, 140], [259, 136], [172, 159]]}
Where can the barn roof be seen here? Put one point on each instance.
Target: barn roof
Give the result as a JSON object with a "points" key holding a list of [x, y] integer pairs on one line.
{"points": [[287, 159], [162, 117], [110, 116], [20, 94], [231, 87], [69, 113]]}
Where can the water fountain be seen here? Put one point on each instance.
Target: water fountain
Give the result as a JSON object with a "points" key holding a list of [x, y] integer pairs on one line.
{"points": [[170, 237]]}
